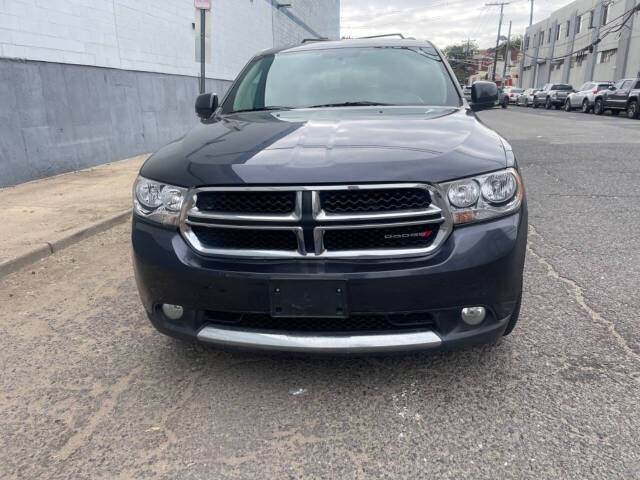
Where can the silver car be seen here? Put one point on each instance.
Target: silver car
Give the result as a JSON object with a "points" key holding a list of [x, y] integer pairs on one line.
{"points": [[466, 91], [584, 97], [526, 98], [513, 93]]}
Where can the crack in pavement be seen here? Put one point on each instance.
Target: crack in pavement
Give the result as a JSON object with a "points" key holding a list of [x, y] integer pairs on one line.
{"points": [[578, 296], [80, 437]]}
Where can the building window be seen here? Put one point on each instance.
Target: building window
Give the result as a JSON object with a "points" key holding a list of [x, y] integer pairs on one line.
{"points": [[541, 38], [568, 28], [591, 15], [578, 24], [526, 42], [607, 56], [549, 37], [558, 32], [605, 14], [579, 58]]}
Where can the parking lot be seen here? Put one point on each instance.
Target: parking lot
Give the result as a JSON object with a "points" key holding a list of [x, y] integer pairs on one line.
{"points": [[90, 390]]}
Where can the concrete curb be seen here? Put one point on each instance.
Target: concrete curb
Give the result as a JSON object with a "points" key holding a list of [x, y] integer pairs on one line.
{"points": [[61, 241]]}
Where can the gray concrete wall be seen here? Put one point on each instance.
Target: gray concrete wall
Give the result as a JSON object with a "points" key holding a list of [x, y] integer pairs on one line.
{"points": [[305, 19], [56, 118]]}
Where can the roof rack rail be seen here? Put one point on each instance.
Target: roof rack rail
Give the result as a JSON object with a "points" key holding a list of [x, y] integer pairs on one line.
{"points": [[321, 39], [385, 35]]}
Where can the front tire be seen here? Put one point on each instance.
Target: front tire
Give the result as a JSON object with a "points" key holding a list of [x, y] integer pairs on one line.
{"points": [[632, 110], [535, 104], [547, 104], [585, 106], [598, 108], [567, 106]]}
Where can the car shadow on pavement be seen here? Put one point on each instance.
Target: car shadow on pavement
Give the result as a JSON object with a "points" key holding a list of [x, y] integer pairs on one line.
{"points": [[489, 361]]}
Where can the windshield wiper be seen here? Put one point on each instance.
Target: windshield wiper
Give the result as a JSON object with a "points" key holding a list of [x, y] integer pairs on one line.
{"points": [[349, 104], [262, 109]]}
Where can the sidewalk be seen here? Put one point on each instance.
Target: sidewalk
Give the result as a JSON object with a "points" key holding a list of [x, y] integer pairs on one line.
{"points": [[41, 217]]}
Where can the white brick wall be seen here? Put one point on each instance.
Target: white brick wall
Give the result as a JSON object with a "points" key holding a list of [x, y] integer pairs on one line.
{"points": [[154, 35]]}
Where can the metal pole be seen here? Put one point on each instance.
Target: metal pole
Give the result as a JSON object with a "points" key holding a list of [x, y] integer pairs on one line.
{"points": [[466, 61], [507, 56], [531, 14], [202, 49], [495, 56]]}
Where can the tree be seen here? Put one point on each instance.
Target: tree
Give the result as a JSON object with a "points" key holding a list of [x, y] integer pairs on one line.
{"points": [[460, 57], [516, 42]]}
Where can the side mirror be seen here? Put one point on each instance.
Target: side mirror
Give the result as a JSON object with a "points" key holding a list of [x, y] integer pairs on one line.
{"points": [[206, 104], [484, 94]]}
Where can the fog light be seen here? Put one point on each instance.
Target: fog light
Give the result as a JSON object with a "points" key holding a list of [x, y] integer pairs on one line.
{"points": [[172, 312], [473, 315]]}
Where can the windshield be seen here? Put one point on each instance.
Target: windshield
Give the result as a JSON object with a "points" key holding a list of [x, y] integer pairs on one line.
{"points": [[561, 87], [344, 77]]}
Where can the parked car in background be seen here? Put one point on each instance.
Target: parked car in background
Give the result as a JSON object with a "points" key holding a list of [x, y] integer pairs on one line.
{"points": [[526, 98], [552, 95], [503, 98], [513, 93], [624, 95], [466, 91], [584, 98]]}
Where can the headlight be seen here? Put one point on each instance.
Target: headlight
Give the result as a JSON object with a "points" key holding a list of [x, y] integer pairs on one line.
{"points": [[499, 188], [157, 201], [463, 194], [485, 196]]}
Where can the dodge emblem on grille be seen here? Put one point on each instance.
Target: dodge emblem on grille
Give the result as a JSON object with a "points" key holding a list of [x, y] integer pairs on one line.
{"points": [[396, 236]]}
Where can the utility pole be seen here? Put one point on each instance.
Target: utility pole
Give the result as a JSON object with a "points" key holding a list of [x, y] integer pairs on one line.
{"points": [[466, 62], [507, 55], [531, 14], [495, 57]]}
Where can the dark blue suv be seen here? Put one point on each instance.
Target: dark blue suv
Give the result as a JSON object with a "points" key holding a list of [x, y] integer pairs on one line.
{"points": [[342, 197]]}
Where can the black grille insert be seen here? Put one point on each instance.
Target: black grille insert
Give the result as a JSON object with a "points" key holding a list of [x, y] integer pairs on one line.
{"points": [[246, 239], [413, 236], [354, 323], [254, 202], [374, 200]]}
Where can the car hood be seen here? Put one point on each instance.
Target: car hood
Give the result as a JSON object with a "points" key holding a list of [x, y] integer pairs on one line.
{"points": [[337, 145]]}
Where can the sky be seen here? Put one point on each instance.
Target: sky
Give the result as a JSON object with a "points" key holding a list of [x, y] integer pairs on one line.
{"points": [[444, 22]]}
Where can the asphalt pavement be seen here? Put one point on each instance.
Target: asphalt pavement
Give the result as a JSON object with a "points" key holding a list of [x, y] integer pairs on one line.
{"points": [[89, 390]]}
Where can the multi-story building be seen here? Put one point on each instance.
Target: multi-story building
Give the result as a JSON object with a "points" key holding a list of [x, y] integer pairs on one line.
{"points": [[584, 40], [84, 82]]}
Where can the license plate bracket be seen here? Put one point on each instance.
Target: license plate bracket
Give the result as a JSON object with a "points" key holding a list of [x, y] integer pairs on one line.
{"points": [[309, 298]]}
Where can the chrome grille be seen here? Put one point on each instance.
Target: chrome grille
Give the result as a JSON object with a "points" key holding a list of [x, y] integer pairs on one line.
{"points": [[248, 202], [378, 200], [246, 238], [344, 221], [405, 236]]}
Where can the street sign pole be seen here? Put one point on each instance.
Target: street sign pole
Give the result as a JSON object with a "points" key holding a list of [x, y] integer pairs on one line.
{"points": [[203, 6]]}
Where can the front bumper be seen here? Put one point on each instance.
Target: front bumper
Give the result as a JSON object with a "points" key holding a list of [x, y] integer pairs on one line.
{"points": [[478, 265]]}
